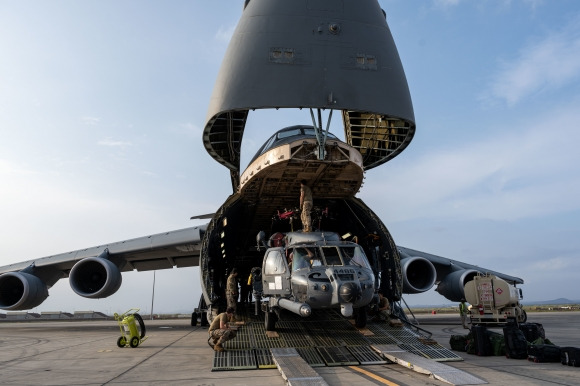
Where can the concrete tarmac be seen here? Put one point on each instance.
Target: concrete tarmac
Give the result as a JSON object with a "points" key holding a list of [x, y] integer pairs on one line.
{"points": [[86, 353]]}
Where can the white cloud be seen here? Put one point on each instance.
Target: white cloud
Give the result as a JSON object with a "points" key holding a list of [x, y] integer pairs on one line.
{"points": [[554, 264], [9, 168], [544, 65], [113, 143], [192, 129], [520, 174], [224, 34], [91, 121], [534, 4], [446, 3]]}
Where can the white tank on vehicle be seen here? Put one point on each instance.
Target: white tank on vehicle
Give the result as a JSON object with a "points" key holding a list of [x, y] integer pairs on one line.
{"points": [[486, 289], [494, 301]]}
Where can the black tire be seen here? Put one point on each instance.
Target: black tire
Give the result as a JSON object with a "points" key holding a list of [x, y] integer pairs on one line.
{"points": [[270, 319], [121, 342], [525, 319], [134, 342], [194, 319], [203, 319], [360, 317], [139, 319]]}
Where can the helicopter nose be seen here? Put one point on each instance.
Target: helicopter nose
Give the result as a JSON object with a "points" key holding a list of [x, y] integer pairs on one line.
{"points": [[349, 292]]}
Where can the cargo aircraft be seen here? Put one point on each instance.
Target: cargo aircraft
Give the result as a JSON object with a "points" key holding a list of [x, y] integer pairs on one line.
{"points": [[323, 56]]}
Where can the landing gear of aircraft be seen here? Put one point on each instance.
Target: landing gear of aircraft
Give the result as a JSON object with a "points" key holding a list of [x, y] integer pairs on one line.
{"points": [[202, 318], [360, 317], [270, 319], [201, 311]]}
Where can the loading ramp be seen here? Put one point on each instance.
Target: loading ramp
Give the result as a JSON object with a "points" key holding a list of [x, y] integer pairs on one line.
{"points": [[324, 339], [434, 369]]}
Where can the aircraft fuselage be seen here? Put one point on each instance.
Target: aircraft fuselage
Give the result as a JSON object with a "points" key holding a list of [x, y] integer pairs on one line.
{"points": [[270, 186]]}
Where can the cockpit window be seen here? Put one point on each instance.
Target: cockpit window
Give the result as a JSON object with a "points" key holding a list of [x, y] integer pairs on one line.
{"points": [[305, 257], [290, 133], [331, 256], [275, 264], [354, 255], [283, 135]]}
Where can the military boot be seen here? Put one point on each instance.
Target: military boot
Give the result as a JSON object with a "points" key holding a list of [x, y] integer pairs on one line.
{"points": [[218, 347]]}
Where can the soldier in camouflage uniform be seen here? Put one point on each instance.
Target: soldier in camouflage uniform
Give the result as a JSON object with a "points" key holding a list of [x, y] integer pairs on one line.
{"points": [[232, 290], [306, 203], [219, 330], [463, 311]]}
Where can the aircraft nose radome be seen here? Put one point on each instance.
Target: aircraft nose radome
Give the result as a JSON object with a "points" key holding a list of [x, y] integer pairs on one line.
{"points": [[323, 54], [349, 292]]}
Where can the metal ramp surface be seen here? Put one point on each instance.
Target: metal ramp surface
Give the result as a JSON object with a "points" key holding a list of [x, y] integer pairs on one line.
{"points": [[324, 339], [294, 369], [439, 371]]}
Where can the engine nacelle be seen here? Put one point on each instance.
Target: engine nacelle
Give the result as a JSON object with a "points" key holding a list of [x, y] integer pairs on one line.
{"points": [[452, 287], [95, 277], [419, 274], [21, 291]]}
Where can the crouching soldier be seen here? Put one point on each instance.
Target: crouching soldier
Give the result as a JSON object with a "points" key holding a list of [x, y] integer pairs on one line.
{"points": [[384, 309], [219, 330]]}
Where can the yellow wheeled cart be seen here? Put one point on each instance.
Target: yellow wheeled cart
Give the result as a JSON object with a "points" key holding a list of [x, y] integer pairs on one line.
{"points": [[131, 334]]}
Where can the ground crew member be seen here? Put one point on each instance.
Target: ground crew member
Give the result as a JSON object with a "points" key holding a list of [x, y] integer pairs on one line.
{"points": [[305, 206], [384, 308], [232, 290], [219, 330], [463, 313], [255, 281]]}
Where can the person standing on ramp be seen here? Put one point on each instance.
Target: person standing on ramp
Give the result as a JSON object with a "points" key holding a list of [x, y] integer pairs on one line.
{"points": [[232, 290]]}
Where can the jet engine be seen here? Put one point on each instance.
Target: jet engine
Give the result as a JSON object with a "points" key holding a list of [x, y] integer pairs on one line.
{"points": [[452, 285], [21, 291], [419, 275], [95, 277]]}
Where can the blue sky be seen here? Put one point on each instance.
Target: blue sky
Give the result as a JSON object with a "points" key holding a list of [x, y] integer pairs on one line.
{"points": [[102, 104]]}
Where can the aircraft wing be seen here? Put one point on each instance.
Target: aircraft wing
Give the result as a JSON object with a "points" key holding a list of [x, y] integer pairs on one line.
{"points": [[95, 272], [422, 270]]}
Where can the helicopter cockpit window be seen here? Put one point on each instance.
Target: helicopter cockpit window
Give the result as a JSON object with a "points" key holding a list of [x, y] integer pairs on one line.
{"points": [[354, 255], [331, 256], [275, 264], [305, 257]]}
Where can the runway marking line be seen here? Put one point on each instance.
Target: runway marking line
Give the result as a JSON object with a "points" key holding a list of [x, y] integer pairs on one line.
{"points": [[374, 376]]}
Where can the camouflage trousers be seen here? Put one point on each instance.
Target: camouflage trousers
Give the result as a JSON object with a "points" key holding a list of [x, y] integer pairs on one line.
{"points": [[232, 301], [305, 216], [384, 315], [220, 336]]}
